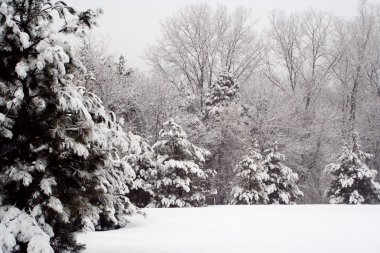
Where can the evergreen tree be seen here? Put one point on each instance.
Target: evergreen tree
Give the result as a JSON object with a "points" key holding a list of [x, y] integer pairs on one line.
{"points": [[115, 177], [353, 182], [224, 124], [122, 68], [179, 169], [281, 186], [58, 147], [222, 92], [250, 180]]}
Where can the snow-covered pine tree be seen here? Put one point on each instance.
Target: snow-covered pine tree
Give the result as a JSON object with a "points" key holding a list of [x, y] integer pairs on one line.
{"points": [[179, 169], [222, 91], [250, 187], [223, 120], [58, 147], [141, 157], [353, 182], [115, 177], [281, 186]]}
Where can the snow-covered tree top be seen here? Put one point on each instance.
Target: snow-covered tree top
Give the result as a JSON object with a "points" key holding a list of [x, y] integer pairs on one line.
{"points": [[222, 91], [251, 162], [172, 130], [254, 152], [273, 155], [173, 142], [352, 157]]}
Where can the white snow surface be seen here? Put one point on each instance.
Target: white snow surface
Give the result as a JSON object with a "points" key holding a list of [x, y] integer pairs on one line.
{"points": [[262, 229]]}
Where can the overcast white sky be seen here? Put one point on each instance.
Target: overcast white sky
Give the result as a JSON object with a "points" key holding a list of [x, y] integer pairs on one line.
{"points": [[131, 25]]}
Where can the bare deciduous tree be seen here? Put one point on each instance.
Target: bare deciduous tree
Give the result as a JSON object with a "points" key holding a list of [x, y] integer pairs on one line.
{"points": [[285, 57], [357, 64], [199, 41], [300, 57]]}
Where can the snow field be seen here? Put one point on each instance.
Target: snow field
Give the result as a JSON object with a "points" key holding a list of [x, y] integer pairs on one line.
{"points": [[232, 229]]}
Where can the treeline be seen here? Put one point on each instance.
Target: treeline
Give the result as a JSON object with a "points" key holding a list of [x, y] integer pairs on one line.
{"points": [[306, 80]]}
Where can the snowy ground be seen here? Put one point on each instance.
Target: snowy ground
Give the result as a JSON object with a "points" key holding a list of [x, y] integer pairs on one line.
{"points": [[233, 229]]}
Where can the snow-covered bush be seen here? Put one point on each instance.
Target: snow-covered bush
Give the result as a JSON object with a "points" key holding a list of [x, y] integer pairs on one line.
{"points": [[353, 182], [250, 187], [179, 169], [281, 186]]}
